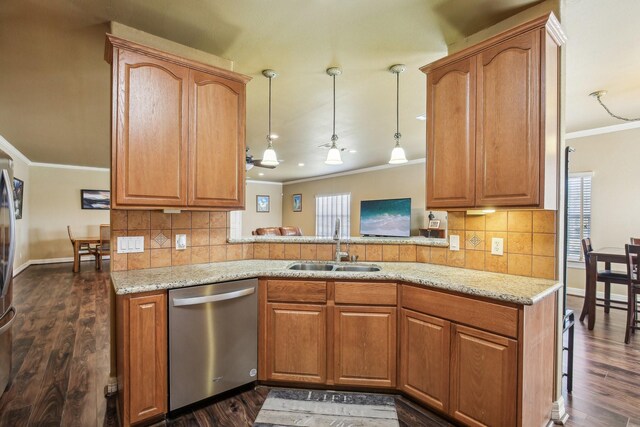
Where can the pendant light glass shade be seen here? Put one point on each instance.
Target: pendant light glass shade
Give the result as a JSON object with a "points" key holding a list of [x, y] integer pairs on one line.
{"points": [[333, 156], [269, 157], [397, 154]]}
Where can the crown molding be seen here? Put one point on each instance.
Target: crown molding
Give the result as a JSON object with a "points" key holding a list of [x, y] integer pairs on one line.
{"points": [[255, 181], [357, 171], [602, 130]]}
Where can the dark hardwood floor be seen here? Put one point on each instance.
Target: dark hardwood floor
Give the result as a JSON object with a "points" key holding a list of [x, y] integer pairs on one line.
{"points": [[61, 364]]}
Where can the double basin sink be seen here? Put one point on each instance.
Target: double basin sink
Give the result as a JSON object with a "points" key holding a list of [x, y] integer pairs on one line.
{"points": [[314, 266]]}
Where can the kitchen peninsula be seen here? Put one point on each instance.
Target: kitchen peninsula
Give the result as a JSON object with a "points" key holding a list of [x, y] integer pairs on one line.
{"points": [[442, 335]]}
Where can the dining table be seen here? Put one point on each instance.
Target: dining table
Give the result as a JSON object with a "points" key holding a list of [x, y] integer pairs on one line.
{"points": [[77, 244], [611, 255]]}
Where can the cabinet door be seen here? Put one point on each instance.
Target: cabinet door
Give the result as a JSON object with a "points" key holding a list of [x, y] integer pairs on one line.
{"points": [[508, 126], [216, 141], [152, 130], [451, 105], [484, 372], [297, 342], [424, 358], [147, 357], [365, 346]]}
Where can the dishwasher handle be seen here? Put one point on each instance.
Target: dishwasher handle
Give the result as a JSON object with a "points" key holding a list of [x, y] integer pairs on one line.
{"points": [[181, 302]]}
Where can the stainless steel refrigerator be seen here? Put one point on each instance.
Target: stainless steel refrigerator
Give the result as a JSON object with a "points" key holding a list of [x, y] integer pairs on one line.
{"points": [[7, 251]]}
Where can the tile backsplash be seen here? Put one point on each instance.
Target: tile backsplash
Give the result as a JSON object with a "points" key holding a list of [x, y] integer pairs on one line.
{"points": [[206, 234], [529, 243]]}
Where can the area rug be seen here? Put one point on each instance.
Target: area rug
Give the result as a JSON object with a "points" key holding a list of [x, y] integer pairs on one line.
{"points": [[312, 408]]}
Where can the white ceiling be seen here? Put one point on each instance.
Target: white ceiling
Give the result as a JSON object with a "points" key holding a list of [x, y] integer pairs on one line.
{"points": [[54, 92]]}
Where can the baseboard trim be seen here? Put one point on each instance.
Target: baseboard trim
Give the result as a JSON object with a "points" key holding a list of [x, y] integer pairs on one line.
{"points": [[578, 292], [31, 262]]}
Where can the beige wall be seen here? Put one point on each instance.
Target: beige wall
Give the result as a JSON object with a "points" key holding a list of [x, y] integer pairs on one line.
{"points": [[55, 203], [252, 219], [392, 183], [613, 159]]}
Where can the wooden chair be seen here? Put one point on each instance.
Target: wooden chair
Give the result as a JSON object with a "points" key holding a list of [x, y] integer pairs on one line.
{"points": [[104, 248], [633, 258], [85, 249], [607, 276]]}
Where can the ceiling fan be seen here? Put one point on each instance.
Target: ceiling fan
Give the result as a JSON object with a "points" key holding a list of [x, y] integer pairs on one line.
{"points": [[251, 162]]}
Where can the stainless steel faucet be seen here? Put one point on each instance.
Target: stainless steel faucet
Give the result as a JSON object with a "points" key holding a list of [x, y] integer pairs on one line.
{"points": [[337, 238]]}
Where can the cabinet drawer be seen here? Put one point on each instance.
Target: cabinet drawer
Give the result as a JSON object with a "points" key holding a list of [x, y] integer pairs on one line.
{"points": [[366, 293], [296, 291], [481, 314]]}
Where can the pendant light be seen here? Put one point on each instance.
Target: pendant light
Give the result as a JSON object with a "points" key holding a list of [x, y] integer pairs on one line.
{"points": [[333, 157], [269, 157], [397, 155]]}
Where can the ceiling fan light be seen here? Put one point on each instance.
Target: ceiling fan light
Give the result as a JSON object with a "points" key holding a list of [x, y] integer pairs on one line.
{"points": [[269, 157], [398, 156], [333, 156]]}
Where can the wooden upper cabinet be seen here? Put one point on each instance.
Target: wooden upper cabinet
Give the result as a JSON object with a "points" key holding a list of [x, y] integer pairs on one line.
{"points": [[152, 130], [216, 141], [492, 128], [451, 135], [178, 131], [508, 141]]}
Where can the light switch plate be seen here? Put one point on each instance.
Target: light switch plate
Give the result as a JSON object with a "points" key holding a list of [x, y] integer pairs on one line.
{"points": [[497, 246], [454, 242], [130, 244], [181, 242]]}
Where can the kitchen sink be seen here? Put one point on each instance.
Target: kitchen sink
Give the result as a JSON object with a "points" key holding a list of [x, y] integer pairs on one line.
{"points": [[311, 266], [314, 266], [356, 268]]}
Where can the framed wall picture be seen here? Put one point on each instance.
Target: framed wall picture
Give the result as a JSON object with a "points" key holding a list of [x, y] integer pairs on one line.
{"points": [[95, 199], [297, 202], [18, 196], [262, 203], [434, 223]]}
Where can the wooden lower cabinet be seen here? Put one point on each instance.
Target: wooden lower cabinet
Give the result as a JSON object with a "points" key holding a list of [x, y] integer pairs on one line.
{"points": [[297, 342], [424, 358], [365, 346], [484, 369], [141, 322]]}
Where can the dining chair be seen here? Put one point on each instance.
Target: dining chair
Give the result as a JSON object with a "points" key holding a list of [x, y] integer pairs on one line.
{"points": [[104, 247], [633, 258], [607, 276]]}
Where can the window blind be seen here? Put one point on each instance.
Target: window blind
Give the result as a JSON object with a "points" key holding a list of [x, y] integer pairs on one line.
{"points": [[235, 224], [328, 208], [579, 214]]}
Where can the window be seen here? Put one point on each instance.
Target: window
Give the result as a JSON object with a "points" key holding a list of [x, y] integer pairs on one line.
{"points": [[579, 214], [328, 208]]}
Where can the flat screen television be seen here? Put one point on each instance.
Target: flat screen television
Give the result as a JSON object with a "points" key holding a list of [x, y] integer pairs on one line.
{"points": [[388, 218]]}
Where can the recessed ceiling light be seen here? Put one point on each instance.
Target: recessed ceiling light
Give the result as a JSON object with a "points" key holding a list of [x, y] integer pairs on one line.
{"points": [[261, 174], [353, 151], [274, 136], [422, 117], [300, 164]]}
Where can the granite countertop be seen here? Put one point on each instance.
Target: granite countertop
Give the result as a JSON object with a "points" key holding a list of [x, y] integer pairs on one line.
{"points": [[501, 287], [416, 240]]}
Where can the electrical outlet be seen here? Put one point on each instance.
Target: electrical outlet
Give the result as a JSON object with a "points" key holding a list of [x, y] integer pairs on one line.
{"points": [[454, 242], [497, 246], [181, 242]]}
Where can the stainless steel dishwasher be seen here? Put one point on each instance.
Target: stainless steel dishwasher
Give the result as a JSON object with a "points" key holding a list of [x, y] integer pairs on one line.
{"points": [[213, 340]]}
